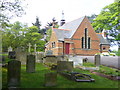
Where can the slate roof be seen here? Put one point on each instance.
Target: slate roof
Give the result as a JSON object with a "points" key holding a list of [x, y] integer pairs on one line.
{"points": [[61, 34], [68, 29], [102, 40]]}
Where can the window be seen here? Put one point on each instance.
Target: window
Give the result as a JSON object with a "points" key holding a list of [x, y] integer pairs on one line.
{"points": [[89, 43], [82, 42], [85, 37], [104, 48], [53, 44]]}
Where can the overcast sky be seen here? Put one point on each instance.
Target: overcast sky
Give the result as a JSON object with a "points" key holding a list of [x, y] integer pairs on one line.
{"points": [[73, 9]]}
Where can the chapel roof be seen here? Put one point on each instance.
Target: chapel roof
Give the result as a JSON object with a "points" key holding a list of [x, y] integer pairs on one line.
{"points": [[68, 29], [102, 40]]}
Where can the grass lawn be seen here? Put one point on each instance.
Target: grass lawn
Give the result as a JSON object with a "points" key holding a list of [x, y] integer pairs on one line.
{"points": [[36, 80]]}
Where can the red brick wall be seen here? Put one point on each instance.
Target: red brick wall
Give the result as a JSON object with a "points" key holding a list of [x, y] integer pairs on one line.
{"points": [[49, 46], [77, 39]]}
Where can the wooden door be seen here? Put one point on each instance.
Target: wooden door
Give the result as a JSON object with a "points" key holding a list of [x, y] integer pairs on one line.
{"points": [[67, 47]]}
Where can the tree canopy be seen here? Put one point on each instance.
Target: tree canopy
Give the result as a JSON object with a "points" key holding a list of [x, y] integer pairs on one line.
{"points": [[10, 8], [19, 35], [108, 19]]}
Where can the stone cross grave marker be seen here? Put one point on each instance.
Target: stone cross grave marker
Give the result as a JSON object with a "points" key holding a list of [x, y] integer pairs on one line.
{"points": [[14, 71], [30, 64], [51, 79], [35, 46], [29, 47], [97, 60], [10, 49]]}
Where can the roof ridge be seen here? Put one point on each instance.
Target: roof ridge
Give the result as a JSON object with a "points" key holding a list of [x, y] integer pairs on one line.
{"points": [[63, 29], [73, 20]]}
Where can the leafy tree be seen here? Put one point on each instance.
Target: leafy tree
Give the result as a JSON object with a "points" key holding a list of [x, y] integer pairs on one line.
{"points": [[19, 35], [8, 9], [92, 17], [49, 26], [108, 20], [13, 35]]}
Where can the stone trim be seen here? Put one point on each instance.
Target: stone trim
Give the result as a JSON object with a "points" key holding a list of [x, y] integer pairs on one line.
{"points": [[85, 54], [57, 47], [75, 39], [94, 40], [85, 49]]}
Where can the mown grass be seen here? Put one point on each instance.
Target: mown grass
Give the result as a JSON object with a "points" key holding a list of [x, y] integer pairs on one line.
{"points": [[104, 69], [36, 80]]}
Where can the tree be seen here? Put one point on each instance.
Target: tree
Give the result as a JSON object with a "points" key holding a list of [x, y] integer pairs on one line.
{"points": [[108, 20], [37, 23], [19, 35], [92, 17], [49, 26], [13, 35], [8, 9]]}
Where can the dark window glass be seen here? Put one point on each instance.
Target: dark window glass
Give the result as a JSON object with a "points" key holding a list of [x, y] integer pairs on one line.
{"points": [[82, 42], [85, 37], [89, 43], [53, 44]]}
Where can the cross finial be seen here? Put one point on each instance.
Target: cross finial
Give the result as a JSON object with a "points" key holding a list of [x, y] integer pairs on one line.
{"points": [[35, 48], [62, 14], [29, 45]]}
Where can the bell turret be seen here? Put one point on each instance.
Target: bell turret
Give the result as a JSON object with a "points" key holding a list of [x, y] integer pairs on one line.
{"points": [[62, 20]]}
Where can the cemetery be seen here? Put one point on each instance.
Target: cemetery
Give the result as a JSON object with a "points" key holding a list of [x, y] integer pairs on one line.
{"points": [[52, 53], [49, 71]]}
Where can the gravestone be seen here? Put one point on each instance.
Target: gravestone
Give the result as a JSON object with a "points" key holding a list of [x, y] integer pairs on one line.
{"points": [[21, 55], [77, 61], [51, 79], [30, 64], [12, 54], [64, 66], [39, 57], [97, 60], [13, 75], [50, 59]]}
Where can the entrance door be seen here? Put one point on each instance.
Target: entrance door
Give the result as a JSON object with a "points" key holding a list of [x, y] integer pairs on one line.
{"points": [[67, 47]]}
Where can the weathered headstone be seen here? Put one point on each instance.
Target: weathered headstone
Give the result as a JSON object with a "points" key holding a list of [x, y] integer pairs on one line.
{"points": [[97, 60], [77, 61], [30, 65], [21, 55], [39, 57], [13, 75], [12, 54], [64, 66], [51, 79]]}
